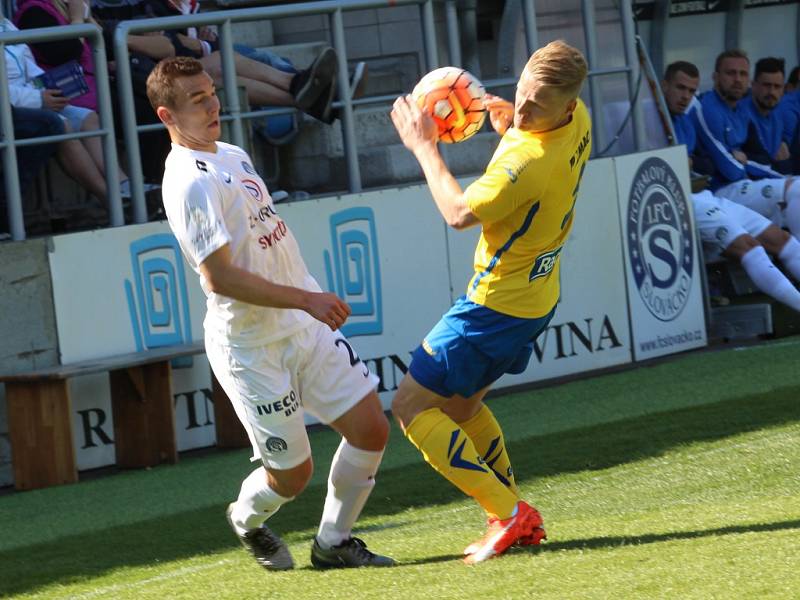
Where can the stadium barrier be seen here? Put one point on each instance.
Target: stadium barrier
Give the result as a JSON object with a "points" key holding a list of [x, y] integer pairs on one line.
{"points": [[233, 112], [335, 10], [8, 143], [631, 289]]}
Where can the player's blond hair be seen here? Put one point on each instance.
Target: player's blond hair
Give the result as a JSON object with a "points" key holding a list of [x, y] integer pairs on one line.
{"points": [[558, 65]]}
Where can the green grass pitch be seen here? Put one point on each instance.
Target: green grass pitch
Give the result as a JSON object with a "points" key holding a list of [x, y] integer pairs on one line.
{"points": [[679, 480]]}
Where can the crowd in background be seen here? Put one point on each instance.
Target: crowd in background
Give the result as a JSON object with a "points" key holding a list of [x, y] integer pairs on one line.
{"points": [[751, 135], [268, 80]]}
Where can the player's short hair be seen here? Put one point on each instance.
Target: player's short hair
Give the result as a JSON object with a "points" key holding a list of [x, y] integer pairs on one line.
{"points": [[794, 76], [161, 89], [733, 53], [681, 66], [770, 64], [558, 65]]}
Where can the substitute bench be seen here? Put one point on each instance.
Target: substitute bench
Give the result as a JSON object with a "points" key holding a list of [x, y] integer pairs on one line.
{"points": [[40, 415]]}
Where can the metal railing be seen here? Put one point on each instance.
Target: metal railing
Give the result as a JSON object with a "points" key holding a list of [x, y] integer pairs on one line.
{"points": [[233, 112], [523, 12], [8, 144]]}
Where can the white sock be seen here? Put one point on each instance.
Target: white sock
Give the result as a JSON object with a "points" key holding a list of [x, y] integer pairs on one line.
{"points": [[791, 214], [350, 482], [769, 279], [790, 257], [256, 503]]}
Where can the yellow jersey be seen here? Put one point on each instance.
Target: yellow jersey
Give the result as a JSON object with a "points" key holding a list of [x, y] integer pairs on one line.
{"points": [[525, 202]]}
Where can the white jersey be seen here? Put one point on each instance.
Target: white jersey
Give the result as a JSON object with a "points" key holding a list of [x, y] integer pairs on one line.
{"points": [[217, 198]]}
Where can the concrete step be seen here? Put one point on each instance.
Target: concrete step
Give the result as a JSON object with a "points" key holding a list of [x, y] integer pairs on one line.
{"points": [[315, 160], [300, 55], [741, 321], [385, 75], [253, 33]]}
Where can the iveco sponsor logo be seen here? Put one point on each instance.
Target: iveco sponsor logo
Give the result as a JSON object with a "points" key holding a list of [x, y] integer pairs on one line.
{"points": [[660, 239], [288, 405]]}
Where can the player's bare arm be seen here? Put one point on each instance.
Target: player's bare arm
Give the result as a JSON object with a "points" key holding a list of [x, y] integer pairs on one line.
{"points": [[226, 279], [417, 130]]}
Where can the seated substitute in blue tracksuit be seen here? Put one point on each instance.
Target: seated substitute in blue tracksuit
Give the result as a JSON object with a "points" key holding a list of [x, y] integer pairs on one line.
{"points": [[727, 228], [789, 111], [722, 127], [768, 131]]}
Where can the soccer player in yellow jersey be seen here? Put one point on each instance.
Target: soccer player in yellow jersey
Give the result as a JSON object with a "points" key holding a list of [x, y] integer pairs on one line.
{"points": [[525, 204]]}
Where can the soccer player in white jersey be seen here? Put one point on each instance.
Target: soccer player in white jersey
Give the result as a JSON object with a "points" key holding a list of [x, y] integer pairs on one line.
{"points": [[272, 336]]}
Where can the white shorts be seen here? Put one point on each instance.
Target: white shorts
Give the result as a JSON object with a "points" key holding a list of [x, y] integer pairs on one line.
{"points": [[75, 116], [764, 196], [272, 386], [721, 221]]}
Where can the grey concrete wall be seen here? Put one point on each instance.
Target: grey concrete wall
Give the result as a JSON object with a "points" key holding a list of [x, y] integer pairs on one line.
{"points": [[370, 35], [315, 160], [28, 337]]}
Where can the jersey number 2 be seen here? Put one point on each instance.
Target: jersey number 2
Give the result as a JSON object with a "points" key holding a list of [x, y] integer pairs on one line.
{"points": [[354, 359]]}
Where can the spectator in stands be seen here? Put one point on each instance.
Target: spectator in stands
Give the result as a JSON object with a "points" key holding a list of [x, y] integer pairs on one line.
{"points": [[309, 90], [727, 228], [32, 14], [145, 50], [29, 123], [203, 44], [722, 128], [33, 123], [81, 159], [54, 13], [771, 132]]}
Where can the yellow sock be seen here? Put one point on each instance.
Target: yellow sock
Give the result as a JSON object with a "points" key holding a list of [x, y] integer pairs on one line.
{"points": [[484, 431], [449, 450]]}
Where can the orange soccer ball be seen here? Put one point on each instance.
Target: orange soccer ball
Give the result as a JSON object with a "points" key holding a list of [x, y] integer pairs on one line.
{"points": [[454, 97]]}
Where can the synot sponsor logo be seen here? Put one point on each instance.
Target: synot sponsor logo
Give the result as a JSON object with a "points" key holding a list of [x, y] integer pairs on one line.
{"points": [[353, 269], [158, 300], [660, 239]]}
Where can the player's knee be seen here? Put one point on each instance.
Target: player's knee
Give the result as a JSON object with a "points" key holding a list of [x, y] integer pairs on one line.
{"points": [[773, 239], [373, 430], [461, 409], [290, 482], [740, 246], [411, 399], [379, 431]]}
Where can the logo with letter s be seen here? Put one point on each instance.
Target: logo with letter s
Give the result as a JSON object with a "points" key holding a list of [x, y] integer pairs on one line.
{"points": [[353, 269], [158, 301], [660, 239]]}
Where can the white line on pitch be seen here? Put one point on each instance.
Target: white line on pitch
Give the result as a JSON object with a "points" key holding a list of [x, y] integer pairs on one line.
{"points": [[765, 346], [127, 586]]}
